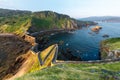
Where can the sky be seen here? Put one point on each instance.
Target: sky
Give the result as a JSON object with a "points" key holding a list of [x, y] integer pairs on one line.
{"points": [[73, 8]]}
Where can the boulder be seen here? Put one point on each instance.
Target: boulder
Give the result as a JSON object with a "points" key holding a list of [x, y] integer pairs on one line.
{"points": [[105, 36], [29, 39]]}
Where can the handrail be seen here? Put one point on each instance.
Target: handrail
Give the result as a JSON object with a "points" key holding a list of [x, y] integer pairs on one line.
{"points": [[55, 55]]}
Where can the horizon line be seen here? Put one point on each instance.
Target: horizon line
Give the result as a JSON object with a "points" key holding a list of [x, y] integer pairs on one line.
{"points": [[62, 13]]}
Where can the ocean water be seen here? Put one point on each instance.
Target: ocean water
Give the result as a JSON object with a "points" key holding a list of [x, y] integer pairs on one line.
{"points": [[85, 43]]}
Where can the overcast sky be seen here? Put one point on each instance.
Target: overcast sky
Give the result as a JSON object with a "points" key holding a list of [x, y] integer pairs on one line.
{"points": [[74, 8]]}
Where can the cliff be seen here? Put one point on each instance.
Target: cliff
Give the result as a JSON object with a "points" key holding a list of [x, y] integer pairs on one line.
{"points": [[48, 20], [21, 22], [17, 58], [11, 47]]}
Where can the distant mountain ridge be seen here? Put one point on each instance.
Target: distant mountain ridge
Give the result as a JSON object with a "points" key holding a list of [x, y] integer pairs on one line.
{"points": [[8, 12], [102, 18]]}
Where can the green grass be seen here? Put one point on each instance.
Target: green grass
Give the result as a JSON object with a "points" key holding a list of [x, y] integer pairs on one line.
{"points": [[113, 43], [109, 44], [16, 24], [81, 71], [49, 22], [12, 21]]}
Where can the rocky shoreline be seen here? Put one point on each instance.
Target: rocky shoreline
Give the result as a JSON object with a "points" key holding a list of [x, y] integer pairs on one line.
{"points": [[42, 43], [11, 48], [66, 55]]}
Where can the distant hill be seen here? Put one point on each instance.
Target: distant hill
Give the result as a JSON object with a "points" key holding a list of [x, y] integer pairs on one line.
{"points": [[103, 19], [9, 13], [19, 22]]}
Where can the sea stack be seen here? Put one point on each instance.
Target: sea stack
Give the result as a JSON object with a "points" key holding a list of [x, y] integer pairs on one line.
{"points": [[96, 28]]}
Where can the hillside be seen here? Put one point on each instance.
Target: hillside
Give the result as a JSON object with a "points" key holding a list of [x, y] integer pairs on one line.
{"points": [[17, 58], [14, 21], [110, 48], [103, 19], [8, 13], [77, 71], [52, 20], [19, 22], [11, 47]]}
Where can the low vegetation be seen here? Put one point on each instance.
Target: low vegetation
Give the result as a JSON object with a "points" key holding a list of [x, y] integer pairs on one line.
{"points": [[109, 45], [80, 71], [19, 22], [113, 43]]}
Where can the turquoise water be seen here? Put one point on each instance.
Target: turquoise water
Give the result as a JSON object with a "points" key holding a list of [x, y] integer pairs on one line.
{"points": [[85, 43]]}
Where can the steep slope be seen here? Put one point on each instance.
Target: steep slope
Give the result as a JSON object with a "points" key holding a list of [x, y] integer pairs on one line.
{"points": [[48, 20], [17, 58], [11, 47], [15, 24], [30, 62]]}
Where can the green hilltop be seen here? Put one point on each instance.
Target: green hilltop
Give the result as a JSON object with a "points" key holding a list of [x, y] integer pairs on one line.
{"points": [[19, 22]]}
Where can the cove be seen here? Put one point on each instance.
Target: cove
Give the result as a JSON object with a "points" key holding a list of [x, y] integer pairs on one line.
{"points": [[83, 44]]}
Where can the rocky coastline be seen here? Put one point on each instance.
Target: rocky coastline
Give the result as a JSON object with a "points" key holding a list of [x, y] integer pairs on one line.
{"points": [[66, 55], [31, 41], [110, 49], [42, 40]]}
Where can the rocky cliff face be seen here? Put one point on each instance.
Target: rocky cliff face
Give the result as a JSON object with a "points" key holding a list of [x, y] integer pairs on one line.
{"points": [[48, 20], [17, 57], [11, 47], [29, 39]]}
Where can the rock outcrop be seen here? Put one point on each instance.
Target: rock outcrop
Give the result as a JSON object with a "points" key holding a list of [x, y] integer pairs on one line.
{"points": [[17, 58], [110, 49], [29, 39], [11, 47], [96, 28]]}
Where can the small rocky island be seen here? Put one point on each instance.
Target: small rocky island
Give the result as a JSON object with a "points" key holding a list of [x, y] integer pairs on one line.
{"points": [[96, 28]]}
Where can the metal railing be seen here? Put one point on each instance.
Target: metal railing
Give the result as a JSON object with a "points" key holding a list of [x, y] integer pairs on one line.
{"points": [[50, 52]]}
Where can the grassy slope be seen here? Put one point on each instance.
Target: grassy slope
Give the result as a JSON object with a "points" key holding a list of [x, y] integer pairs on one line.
{"points": [[47, 20], [112, 44], [18, 22], [51, 20], [15, 24], [79, 71]]}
